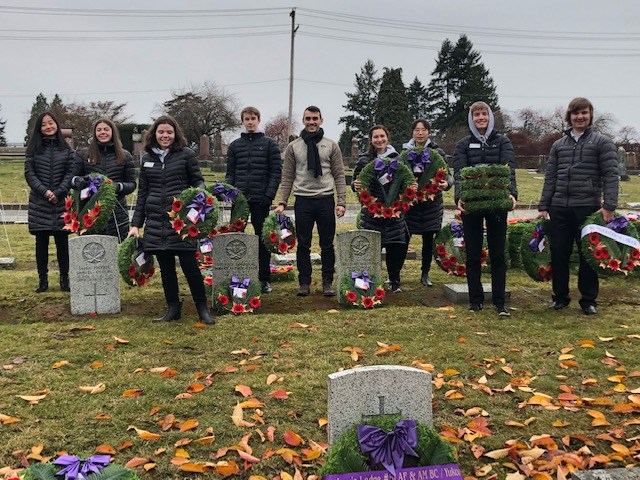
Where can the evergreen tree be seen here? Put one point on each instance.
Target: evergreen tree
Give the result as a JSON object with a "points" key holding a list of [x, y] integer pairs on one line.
{"points": [[59, 110], [418, 99], [392, 108], [361, 104], [40, 105], [3, 139]]}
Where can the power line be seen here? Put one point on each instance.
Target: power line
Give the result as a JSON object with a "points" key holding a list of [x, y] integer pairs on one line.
{"points": [[149, 37], [142, 13], [138, 30]]}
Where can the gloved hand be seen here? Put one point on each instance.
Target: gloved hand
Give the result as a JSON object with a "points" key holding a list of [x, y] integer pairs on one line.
{"points": [[78, 182], [119, 187]]}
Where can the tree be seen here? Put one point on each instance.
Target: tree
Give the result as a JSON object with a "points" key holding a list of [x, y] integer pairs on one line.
{"points": [[276, 128], [59, 110], [418, 99], [392, 107], [361, 104], [203, 110], [3, 139], [39, 106]]}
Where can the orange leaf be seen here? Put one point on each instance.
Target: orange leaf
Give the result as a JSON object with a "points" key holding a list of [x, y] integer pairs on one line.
{"points": [[248, 457], [136, 462], [60, 364], [560, 424], [251, 403], [95, 365], [133, 392], [281, 394], [144, 434], [496, 454], [205, 440], [182, 453], [195, 388], [194, 467], [227, 468], [512, 423], [149, 466], [292, 438], [244, 390], [105, 450], [154, 410], [167, 422], [125, 444], [169, 372], [477, 450], [322, 422], [270, 433], [102, 416], [189, 425]]}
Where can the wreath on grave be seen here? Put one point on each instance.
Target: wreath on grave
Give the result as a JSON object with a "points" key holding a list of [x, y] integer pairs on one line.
{"points": [[88, 210], [136, 267], [237, 296], [535, 251], [428, 168], [610, 248], [359, 289], [362, 447], [194, 213], [515, 229], [449, 249], [70, 467], [282, 273], [227, 194], [278, 233], [485, 188], [397, 193]]}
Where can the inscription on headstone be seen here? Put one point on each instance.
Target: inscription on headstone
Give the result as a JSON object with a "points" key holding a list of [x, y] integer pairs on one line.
{"points": [[357, 250], [235, 254]]}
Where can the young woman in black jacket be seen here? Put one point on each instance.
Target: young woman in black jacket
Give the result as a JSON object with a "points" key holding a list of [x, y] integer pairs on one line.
{"points": [[168, 168], [48, 170], [106, 156]]}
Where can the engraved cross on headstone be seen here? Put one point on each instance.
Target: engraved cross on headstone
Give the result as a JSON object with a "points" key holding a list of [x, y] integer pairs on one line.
{"points": [[381, 409], [95, 296]]}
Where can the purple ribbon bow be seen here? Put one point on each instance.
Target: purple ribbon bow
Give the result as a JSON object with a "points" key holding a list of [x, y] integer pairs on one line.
{"points": [[389, 448], [236, 283], [457, 230], [200, 204], [419, 159], [76, 468], [618, 224], [206, 242], [283, 221], [364, 276], [93, 183], [381, 167], [534, 243], [230, 194]]}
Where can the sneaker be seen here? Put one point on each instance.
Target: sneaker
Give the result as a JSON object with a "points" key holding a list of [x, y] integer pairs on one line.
{"points": [[395, 287], [304, 291], [502, 311], [266, 287], [475, 307], [327, 289]]}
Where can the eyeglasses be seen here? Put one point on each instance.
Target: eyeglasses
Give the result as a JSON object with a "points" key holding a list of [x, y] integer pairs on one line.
{"points": [[420, 130], [308, 119]]}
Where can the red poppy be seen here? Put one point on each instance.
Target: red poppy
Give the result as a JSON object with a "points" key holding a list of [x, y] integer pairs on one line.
{"points": [[198, 256], [255, 302], [373, 208], [109, 181], [209, 200], [273, 237], [238, 308], [379, 293], [97, 208], [446, 264], [440, 175], [635, 253], [453, 260], [433, 189], [292, 242], [224, 229], [208, 280], [193, 231], [406, 207], [461, 270], [223, 299], [441, 250], [395, 204], [75, 225], [365, 197], [132, 271], [213, 233], [177, 205], [594, 238], [68, 203], [208, 260], [409, 193], [420, 196], [283, 247], [238, 225], [142, 280], [88, 220], [614, 264], [535, 234], [178, 225], [351, 296], [66, 218], [387, 212], [151, 272], [367, 302]]}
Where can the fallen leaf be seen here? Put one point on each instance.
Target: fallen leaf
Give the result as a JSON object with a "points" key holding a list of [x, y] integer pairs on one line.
{"points": [[560, 424], [31, 398], [496, 454], [280, 394], [132, 393], [136, 462], [271, 378], [292, 438], [189, 425], [251, 403], [92, 390], [227, 468], [168, 373], [105, 450], [144, 434], [125, 444], [205, 440], [248, 457], [244, 390], [59, 364], [121, 341], [195, 388], [149, 466], [238, 417], [599, 420]]}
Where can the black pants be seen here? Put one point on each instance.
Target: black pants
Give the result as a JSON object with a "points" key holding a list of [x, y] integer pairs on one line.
{"points": [[167, 262], [473, 225], [427, 250], [42, 251], [320, 211], [396, 255], [260, 211], [563, 232]]}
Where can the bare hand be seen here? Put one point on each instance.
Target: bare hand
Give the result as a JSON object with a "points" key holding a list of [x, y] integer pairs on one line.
{"points": [[442, 185], [134, 232], [279, 209], [513, 199], [340, 211], [357, 184], [461, 207], [543, 214], [51, 196], [607, 215]]}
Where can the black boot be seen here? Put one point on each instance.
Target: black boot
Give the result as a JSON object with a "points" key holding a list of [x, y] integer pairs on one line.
{"points": [[203, 312], [64, 282], [174, 312], [43, 284]]}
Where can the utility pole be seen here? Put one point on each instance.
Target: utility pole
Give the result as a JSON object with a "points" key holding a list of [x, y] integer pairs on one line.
{"points": [[293, 36]]}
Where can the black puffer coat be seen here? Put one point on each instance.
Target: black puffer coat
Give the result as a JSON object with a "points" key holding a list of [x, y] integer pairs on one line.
{"points": [[159, 184], [254, 166], [50, 170], [580, 173], [392, 230], [124, 174]]}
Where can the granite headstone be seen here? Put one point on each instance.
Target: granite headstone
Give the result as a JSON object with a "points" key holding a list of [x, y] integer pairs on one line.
{"points": [[234, 254], [357, 250], [607, 474]]}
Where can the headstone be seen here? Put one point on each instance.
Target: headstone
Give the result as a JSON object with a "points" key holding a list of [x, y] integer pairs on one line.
{"points": [[459, 292], [7, 263], [361, 393], [622, 164], [607, 474], [93, 274], [357, 250], [235, 254], [219, 160], [205, 149]]}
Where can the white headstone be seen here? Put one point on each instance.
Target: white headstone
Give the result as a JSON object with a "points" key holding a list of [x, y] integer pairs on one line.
{"points": [[358, 250]]}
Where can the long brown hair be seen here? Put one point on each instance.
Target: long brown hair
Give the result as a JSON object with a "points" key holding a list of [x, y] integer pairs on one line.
{"points": [[371, 151], [178, 143], [93, 154], [35, 145]]}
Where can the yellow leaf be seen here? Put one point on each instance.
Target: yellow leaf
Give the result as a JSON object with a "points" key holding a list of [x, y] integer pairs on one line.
{"points": [[448, 308], [514, 476], [144, 434], [587, 343], [149, 466], [618, 447], [238, 417], [590, 381], [227, 468], [511, 423], [617, 378], [92, 390], [205, 440], [59, 364], [194, 467], [605, 339], [251, 403], [95, 365], [189, 425], [560, 424], [271, 378], [6, 419], [31, 398], [132, 393], [122, 341], [182, 453], [530, 420], [496, 454], [450, 371], [540, 399], [566, 356]]}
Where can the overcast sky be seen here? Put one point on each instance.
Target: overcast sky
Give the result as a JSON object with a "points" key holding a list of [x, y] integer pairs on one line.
{"points": [[540, 53]]}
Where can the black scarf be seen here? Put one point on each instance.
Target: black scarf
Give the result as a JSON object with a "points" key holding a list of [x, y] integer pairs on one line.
{"points": [[313, 157]]}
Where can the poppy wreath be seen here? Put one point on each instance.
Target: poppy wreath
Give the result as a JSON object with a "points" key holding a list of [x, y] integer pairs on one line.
{"points": [[278, 233], [535, 250], [68, 467], [237, 296], [228, 194], [91, 214], [136, 267], [194, 213], [428, 168], [515, 229], [485, 188], [610, 248], [282, 273], [449, 249], [205, 263], [398, 194], [359, 289]]}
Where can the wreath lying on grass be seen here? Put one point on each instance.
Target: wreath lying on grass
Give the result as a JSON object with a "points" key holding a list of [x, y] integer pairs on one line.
{"points": [[428, 168], [282, 273], [194, 213], [226, 195], [485, 188], [88, 210], [357, 450], [237, 296], [359, 289], [397, 194], [535, 250], [610, 248], [69, 467], [136, 267], [449, 249], [278, 233], [515, 229]]}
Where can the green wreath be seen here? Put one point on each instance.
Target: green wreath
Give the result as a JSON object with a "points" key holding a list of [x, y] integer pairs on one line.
{"points": [[136, 267], [345, 455], [225, 301], [535, 250], [607, 254], [427, 174], [450, 252], [90, 215], [194, 213], [515, 229], [279, 233], [485, 188], [282, 273], [226, 193], [47, 471], [368, 297], [398, 195]]}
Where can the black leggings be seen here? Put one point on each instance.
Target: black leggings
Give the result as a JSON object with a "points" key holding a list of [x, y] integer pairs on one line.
{"points": [[42, 251], [396, 255], [167, 262]]}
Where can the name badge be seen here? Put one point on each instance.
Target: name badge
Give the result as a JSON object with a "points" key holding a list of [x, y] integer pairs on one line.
{"points": [[361, 284], [148, 164], [85, 193], [193, 215], [542, 245], [140, 259], [240, 292], [384, 179], [474, 145]]}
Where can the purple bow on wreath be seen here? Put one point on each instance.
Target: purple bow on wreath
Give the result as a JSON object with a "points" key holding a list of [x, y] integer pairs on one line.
{"points": [[230, 194], [283, 221], [381, 167], [236, 283], [76, 468], [93, 183], [457, 230], [534, 243], [364, 276], [618, 224], [206, 242], [200, 204], [419, 161], [389, 448]]}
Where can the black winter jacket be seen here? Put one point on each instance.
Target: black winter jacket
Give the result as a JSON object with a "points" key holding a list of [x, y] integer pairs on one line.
{"points": [[50, 170], [470, 151], [124, 174], [159, 184], [254, 166], [580, 174], [392, 230]]}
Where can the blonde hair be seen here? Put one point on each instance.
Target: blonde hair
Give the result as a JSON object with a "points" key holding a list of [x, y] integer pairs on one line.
{"points": [[479, 106]]}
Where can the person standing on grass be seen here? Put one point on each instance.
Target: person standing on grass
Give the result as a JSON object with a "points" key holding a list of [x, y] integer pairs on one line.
{"points": [[581, 178], [48, 169], [167, 168], [106, 156], [425, 218], [313, 166], [484, 146], [253, 166]]}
